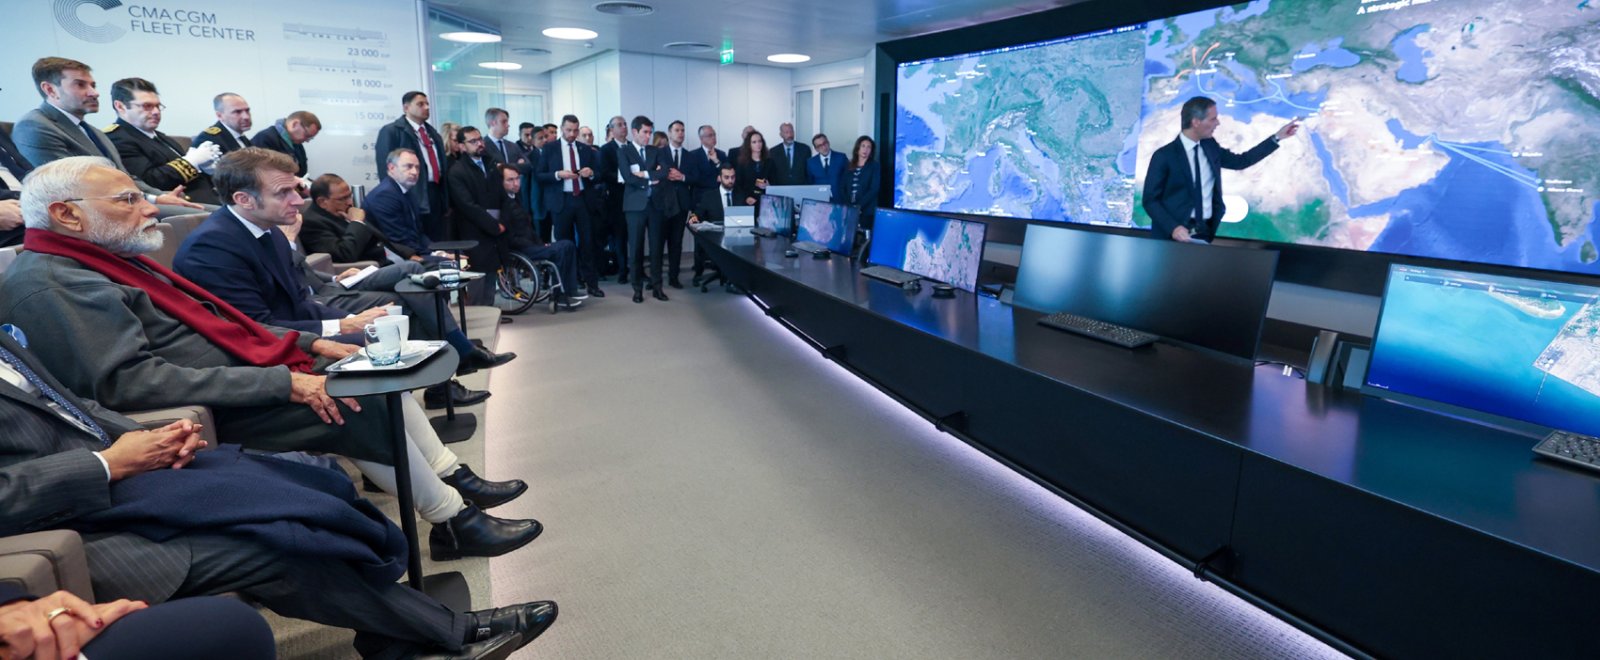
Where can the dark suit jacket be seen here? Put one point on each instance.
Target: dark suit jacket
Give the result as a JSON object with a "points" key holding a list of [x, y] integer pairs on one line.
{"points": [[46, 134], [709, 206], [830, 175], [867, 197], [397, 135], [636, 195], [221, 256], [607, 172], [550, 160], [48, 477], [274, 138], [672, 197], [746, 175], [1170, 193], [701, 173], [784, 174], [344, 240], [394, 213], [159, 162], [470, 201], [222, 136], [14, 236], [513, 153]]}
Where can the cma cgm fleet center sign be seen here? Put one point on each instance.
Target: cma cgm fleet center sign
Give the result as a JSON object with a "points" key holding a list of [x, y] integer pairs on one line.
{"points": [[105, 21]]}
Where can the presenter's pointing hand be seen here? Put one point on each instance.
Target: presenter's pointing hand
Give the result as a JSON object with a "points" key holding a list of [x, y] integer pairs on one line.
{"points": [[1289, 129]]}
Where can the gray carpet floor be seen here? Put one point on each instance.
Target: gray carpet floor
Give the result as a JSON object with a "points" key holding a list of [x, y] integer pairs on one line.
{"points": [[712, 488]]}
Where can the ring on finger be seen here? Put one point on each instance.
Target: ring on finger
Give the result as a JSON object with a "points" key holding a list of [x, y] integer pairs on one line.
{"points": [[52, 614]]}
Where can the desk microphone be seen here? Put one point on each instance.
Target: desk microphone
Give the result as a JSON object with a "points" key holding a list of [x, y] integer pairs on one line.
{"points": [[429, 280]]}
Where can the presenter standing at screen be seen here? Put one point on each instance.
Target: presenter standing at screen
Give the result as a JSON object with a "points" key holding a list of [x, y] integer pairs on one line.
{"points": [[1183, 188]]}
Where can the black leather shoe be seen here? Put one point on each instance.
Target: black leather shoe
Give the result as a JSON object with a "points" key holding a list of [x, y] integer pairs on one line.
{"points": [[433, 397], [658, 294], [481, 492], [473, 533], [482, 359], [638, 295], [674, 283], [695, 281], [596, 292], [529, 620], [622, 279]]}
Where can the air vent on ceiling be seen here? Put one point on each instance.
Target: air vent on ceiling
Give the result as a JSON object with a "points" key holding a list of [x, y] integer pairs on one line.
{"points": [[624, 8], [530, 52], [689, 47]]}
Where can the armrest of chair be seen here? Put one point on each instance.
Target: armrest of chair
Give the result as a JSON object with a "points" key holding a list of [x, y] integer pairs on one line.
{"points": [[321, 262], [163, 416], [43, 563]]}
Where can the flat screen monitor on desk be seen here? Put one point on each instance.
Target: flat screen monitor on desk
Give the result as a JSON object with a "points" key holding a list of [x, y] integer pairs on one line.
{"points": [[940, 249], [831, 225], [776, 214], [1511, 347], [821, 193], [1207, 295]]}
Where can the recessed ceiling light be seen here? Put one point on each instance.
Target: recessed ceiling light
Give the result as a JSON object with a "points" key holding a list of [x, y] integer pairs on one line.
{"points": [[570, 33], [471, 37], [788, 58], [531, 52], [501, 66], [689, 47], [624, 8]]}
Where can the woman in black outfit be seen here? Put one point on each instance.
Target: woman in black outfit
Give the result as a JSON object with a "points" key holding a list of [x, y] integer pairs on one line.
{"points": [[858, 183], [751, 170]]}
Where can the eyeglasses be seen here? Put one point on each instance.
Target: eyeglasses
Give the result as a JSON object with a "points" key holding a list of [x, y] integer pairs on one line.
{"points": [[149, 107], [130, 198]]}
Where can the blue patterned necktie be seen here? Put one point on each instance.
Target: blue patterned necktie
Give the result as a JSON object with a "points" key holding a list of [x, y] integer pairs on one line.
{"points": [[51, 393]]}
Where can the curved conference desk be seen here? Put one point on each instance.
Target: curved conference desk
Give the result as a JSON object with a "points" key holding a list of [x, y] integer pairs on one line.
{"points": [[1388, 530]]}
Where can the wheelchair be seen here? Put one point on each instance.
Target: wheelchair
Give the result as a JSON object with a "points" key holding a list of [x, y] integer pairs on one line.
{"points": [[522, 283]]}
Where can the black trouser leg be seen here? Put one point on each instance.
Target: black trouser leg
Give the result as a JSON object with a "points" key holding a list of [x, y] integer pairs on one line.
{"points": [[637, 221], [672, 234]]}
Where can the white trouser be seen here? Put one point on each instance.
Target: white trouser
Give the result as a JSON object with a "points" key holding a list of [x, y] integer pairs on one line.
{"points": [[429, 459]]}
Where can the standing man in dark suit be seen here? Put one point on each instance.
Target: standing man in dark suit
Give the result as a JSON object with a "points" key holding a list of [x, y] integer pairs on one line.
{"points": [[470, 201], [733, 154], [413, 132], [571, 196], [498, 144], [148, 153], [614, 225], [62, 456], [789, 159], [703, 165], [674, 200], [13, 168], [641, 167], [824, 168], [288, 136], [233, 121], [532, 145], [1183, 187]]}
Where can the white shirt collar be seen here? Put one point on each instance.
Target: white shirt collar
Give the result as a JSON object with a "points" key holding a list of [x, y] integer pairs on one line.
{"points": [[236, 134], [414, 125], [1188, 144], [255, 231], [403, 187], [148, 134]]}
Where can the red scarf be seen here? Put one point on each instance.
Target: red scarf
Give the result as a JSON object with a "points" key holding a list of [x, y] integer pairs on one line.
{"points": [[233, 332]]}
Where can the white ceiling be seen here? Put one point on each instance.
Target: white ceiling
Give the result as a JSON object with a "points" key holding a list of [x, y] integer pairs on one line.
{"points": [[827, 30]]}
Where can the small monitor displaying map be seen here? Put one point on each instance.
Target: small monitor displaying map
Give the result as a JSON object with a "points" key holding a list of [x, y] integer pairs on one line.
{"points": [[1517, 348], [776, 213], [831, 225], [940, 249], [1452, 129], [1043, 131]]}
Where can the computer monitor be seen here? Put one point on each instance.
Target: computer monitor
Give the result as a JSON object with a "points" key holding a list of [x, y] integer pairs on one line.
{"points": [[819, 192], [1516, 348], [1207, 295], [940, 249], [776, 213], [832, 225]]}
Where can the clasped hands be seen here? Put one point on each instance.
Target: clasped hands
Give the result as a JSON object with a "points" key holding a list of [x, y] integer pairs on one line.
{"points": [[57, 626]]}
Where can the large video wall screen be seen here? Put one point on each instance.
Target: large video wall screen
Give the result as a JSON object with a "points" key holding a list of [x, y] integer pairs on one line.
{"points": [[1452, 129]]}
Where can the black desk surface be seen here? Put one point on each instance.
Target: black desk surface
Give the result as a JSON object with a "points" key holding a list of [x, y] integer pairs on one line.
{"points": [[438, 368], [1484, 478]]}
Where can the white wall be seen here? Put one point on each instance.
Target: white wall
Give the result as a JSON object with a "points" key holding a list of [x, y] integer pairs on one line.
{"points": [[854, 71], [666, 88]]}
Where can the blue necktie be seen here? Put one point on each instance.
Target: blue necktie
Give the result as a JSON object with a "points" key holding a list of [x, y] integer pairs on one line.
{"points": [[87, 131], [51, 393]]}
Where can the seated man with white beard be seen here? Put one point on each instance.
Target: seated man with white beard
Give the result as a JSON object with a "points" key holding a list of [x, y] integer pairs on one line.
{"points": [[119, 328]]}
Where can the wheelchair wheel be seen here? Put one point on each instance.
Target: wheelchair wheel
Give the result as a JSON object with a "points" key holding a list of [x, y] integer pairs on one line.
{"points": [[519, 285]]}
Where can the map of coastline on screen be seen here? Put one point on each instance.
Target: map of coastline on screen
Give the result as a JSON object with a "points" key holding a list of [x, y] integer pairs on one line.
{"points": [[941, 249], [1454, 129]]}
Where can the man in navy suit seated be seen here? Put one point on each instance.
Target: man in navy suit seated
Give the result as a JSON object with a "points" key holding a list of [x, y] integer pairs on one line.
{"points": [[389, 206]]}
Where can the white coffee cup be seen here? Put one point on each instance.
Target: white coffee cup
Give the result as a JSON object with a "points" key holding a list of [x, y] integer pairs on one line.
{"points": [[400, 321]]}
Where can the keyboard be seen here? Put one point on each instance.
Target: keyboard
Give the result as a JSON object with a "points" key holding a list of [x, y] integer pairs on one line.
{"points": [[1097, 329], [893, 276], [809, 246], [1571, 448]]}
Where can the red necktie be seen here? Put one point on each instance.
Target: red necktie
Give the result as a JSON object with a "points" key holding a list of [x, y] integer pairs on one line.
{"points": [[427, 147], [577, 184]]}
